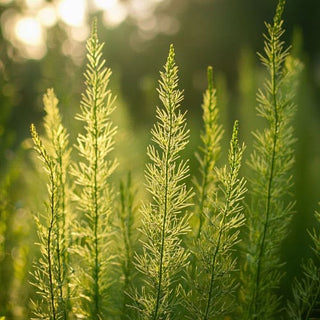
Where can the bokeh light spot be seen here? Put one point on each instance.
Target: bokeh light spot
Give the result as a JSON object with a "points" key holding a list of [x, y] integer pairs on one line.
{"points": [[47, 16], [80, 33], [115, 14], [105, 4], [34, 4], [72, 12], [29, 31]]}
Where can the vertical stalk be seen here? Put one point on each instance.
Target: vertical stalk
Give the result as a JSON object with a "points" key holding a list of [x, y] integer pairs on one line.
{"points": [[92, 175], [207, 161], [213, 262], [165, 211], [96, 209], [270, 180], [126, 213], [59, 258], [49, 244], [64, 273], [49, 165], [209, 150]]}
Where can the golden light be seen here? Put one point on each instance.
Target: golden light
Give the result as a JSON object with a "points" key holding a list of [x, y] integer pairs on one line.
{"points": [[115, 14], [72, 12], [141, 9], [29, 31], [47, 15], [80, 33], [28, 36], [105, 4], [34, 4]]}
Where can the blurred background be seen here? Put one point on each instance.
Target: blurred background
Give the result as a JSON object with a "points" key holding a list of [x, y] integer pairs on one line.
{"points": [[42, 45]]}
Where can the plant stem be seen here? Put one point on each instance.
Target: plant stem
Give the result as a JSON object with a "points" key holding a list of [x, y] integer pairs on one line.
{"points": [[213, 263], [203, 194], [125, 216], [49, 240], [96, 209], [59, 258], [270, 180], [208, 156], [165, 210], [221, 227]]}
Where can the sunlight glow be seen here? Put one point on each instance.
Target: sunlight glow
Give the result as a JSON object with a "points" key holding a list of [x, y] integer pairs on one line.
{"points": [[80, 34], [29, 31], [168, 25], [115, 14], [28, 36], [34, 3], [72, 12], [105, 4], [141, 9], [47, 16]]}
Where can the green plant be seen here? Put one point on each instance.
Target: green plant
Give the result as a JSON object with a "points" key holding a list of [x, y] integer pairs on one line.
{"points": [[57, 140], [94, 194], [163, 226], [51, 273], [126, 239], [306, 291], [209, 150], [271, 161], [93, 267], [214, 282]]}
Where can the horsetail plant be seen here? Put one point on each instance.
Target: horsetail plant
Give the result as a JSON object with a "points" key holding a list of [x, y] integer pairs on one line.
{"points": [[306, 291], [270, 163], [94, 193], [164, 221], [209, 151], [212, 293], [52, 271], [44, 274], [57, 139], [167, 286], [126, 240]]}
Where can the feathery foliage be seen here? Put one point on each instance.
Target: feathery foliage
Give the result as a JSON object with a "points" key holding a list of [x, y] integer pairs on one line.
{"points": [[126, 239], [52, 271], [45, 277], [57, 140], [213, 287], [89, 263], [164, 222], [94, 193], [306, 292], [270, 163], [209, 151]]}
